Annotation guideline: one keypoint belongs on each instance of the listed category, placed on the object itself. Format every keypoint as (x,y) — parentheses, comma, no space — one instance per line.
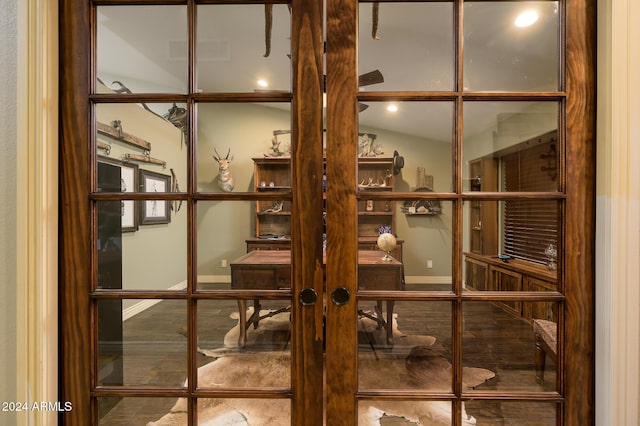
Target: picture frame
(154,212)
(128,183)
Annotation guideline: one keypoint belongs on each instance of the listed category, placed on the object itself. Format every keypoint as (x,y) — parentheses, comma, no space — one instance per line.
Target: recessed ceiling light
(392,108)
(263,83)
(526,18)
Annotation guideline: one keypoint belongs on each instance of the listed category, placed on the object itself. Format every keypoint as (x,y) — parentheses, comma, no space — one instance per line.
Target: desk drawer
(261,278)
(379,279)
(253,279)
(283,277)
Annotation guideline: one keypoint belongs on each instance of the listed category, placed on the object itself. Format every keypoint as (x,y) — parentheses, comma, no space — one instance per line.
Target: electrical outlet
(429,263)
(223,263)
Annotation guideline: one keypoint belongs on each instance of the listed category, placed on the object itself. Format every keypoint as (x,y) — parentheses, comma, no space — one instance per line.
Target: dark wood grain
(579,331)
(75,226)
(342,208)
(306,223)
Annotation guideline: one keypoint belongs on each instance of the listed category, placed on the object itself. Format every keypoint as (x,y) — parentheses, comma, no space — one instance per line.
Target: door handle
(340,296)
(308,297)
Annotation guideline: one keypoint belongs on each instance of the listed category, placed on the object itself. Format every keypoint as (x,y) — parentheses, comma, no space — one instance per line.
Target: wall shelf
(273,175)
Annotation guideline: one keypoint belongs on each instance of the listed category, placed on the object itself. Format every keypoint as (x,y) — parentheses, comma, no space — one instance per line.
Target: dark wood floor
(155,353)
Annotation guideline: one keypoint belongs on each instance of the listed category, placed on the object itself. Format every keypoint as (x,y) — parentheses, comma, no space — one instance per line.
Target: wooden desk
(271,270)
(364,243)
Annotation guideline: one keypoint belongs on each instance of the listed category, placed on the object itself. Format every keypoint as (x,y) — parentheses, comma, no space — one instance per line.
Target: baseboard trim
(214,279)
(142,306)
(427,279)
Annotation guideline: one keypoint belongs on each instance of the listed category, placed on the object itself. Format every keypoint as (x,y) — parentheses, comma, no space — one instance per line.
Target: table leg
(244,322)
(256,313)
(242,310)
(379,317)
(389,322)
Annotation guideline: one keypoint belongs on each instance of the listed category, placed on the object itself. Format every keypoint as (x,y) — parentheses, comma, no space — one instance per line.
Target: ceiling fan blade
(372,77)
(362,107)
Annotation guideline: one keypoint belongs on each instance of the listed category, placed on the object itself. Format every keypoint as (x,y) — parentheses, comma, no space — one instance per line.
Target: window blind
(530,225)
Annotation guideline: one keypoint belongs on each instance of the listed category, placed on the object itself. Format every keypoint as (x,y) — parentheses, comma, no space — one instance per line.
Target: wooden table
(271,270)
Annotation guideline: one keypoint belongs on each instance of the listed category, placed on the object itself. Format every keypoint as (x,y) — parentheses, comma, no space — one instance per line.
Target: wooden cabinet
(273,218)
(506,280)
(268,244)
(539,310)
(488,273)
(374,174)
(477,274)
(483,215)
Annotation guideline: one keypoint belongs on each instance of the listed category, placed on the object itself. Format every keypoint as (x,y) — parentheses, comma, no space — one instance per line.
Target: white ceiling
(145,48)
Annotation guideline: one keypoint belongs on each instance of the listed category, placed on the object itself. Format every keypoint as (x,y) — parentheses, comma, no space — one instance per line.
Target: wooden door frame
(75,234)
(577,329)
(307,361)
(579,234)
(342,210)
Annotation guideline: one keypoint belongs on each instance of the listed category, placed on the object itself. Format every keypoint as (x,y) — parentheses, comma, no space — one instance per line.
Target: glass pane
(413,354)
(499,413)
(236,53)
(511,45)
(405,244)
(508,243)
(405,413)
(405,150)
(219,332)
(144,137)
(496,339)
(249,135)
(420,132)
(226,234)
(265,356)
(142,342)
(116,411)
(154,257)
(218,411)
(420,34)
(511,146)
(142,58)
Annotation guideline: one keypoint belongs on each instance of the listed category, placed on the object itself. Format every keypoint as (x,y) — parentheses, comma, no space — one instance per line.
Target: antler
(216,156)
(228,152)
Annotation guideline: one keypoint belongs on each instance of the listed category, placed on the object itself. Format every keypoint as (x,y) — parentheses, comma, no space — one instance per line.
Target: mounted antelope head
(225,179)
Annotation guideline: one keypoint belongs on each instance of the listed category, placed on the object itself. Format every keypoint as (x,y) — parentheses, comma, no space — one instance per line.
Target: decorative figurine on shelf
(387,177)
(276,207)
(225,179)
(369,206)
(275,150)
(387,242)
(368,147)
(384,229)
(552,255)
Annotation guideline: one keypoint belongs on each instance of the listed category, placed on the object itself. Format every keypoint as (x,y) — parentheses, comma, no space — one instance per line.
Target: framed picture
(154,212)
(119,176)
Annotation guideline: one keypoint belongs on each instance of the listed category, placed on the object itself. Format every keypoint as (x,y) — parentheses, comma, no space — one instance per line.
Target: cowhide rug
(414,362)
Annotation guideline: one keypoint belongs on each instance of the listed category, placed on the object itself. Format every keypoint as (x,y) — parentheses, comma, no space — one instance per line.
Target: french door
(327,213)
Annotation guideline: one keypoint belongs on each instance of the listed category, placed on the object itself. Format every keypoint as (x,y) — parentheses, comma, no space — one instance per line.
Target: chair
(546,338)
